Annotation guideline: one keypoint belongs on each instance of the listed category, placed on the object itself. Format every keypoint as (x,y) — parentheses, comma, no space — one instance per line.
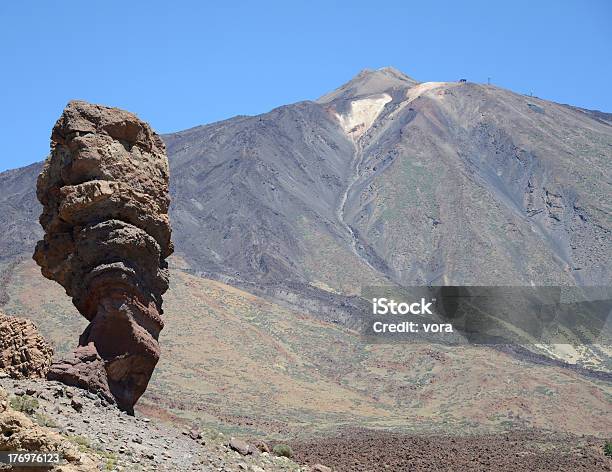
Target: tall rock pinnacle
(104,190)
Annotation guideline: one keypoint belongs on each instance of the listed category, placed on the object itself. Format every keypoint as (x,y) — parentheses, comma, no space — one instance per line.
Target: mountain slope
(249,194)
(520,182)
(19,211)
(384,180)
(238,362)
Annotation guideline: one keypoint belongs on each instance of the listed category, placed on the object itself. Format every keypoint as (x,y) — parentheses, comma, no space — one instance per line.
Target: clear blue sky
(178,63)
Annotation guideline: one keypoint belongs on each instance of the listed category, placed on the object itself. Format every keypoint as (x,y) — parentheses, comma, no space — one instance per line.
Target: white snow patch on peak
(420,89)
(362,114)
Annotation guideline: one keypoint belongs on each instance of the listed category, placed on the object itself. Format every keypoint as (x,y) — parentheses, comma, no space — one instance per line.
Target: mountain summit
(370,82)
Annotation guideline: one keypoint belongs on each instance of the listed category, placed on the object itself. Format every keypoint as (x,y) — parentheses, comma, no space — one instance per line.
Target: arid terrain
(367,451)
(279,220)
(248,367)
(94,435)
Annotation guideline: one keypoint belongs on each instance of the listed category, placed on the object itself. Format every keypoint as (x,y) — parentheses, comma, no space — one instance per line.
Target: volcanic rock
(262,446)
(242,447)
(19,433)
(23,351)
(104,191)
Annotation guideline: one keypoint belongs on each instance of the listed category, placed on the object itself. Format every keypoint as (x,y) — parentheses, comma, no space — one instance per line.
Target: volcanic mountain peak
(362,113)
(370,82)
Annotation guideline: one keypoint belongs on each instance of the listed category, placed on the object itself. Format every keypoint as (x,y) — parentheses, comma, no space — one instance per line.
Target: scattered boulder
(321,468)
(263,446)
(77,405)
(23,351)
(104,191)
(242,447)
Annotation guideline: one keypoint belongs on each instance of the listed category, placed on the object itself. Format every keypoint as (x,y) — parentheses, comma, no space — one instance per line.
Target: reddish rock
(84,368)
(262,446)
(23,351)
(104,192)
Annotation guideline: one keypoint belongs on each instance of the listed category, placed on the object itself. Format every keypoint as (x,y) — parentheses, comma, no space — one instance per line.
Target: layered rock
(23,351)
(104,192)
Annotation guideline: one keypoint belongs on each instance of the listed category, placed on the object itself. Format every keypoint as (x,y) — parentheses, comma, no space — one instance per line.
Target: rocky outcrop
(104,192)
(84,368)
(23,351)
(20,433)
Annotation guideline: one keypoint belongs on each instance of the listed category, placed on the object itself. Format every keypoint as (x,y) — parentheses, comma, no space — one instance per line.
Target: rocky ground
(367,451)
(76,421)
(93,435)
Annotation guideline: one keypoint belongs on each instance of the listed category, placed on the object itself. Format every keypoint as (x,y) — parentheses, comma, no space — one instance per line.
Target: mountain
(279,220)
(384,180)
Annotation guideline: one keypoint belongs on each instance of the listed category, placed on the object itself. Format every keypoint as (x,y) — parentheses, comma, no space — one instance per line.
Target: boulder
(262,446)
(104,191)
(242,447)
(23,351)
(239,446)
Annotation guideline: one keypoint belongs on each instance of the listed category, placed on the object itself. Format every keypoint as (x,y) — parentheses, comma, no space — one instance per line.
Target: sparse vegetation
(45,420)
(109,457)
(282,450)
(608,449)
(110,464)
(82,442)
(25,404)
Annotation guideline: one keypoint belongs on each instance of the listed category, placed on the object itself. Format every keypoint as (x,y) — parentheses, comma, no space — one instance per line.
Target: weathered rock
(321,468)
(263,446)
(20,433)
(242,447)
(83,368)
(77,404)
(23,351)
(104,191)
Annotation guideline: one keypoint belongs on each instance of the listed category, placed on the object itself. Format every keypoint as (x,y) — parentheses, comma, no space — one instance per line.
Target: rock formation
(104,190)
(19,433)
(23,351)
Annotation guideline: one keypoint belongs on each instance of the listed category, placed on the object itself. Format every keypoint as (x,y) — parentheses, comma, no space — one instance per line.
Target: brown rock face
(104,190)
(23,351)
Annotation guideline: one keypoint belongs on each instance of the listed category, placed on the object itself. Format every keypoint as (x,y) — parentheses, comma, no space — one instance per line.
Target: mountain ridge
(259,197)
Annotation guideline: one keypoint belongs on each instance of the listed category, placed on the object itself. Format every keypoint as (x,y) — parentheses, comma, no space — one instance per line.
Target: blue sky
(183,63)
